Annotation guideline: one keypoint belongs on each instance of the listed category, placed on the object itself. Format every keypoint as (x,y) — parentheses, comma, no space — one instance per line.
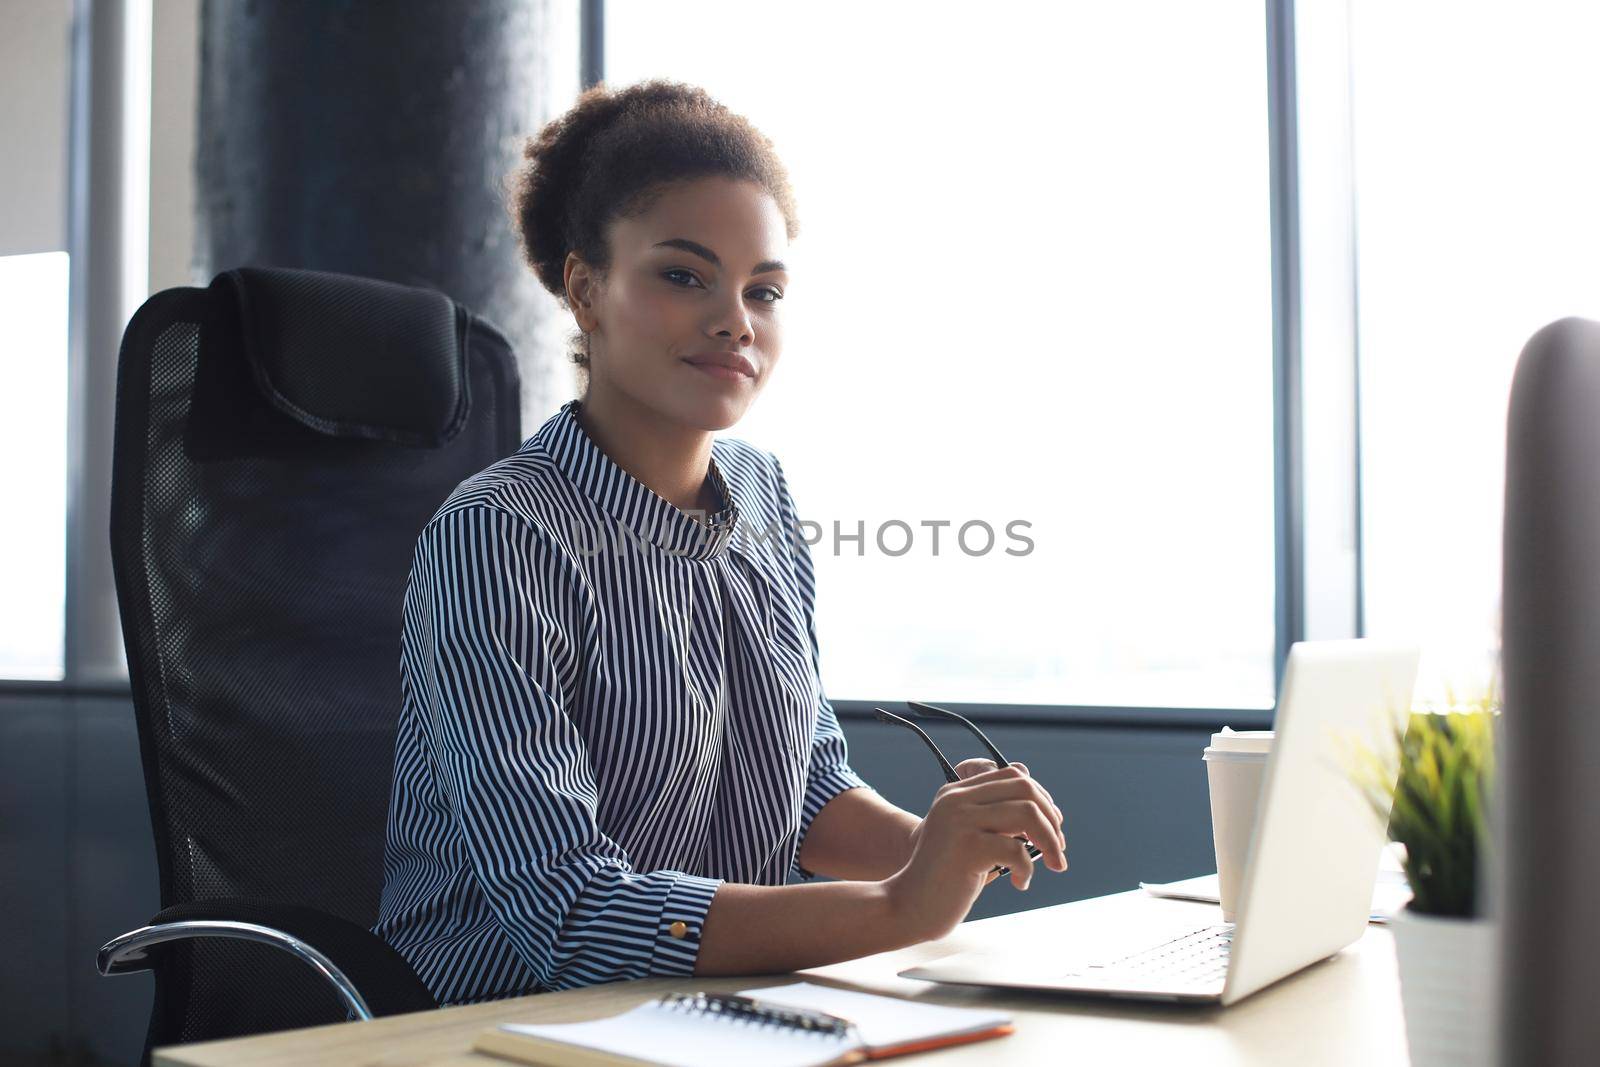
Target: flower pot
(1447,987)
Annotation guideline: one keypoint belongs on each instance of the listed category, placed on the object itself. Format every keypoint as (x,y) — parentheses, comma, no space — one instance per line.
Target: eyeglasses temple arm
(950,774)
(930,709)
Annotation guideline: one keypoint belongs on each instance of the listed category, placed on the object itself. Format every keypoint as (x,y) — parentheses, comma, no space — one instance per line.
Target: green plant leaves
(1438,800)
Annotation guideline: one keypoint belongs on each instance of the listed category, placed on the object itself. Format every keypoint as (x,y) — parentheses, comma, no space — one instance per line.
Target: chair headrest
(353,357)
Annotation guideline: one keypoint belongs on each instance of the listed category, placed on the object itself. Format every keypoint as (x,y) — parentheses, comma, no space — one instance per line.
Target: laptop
(1308,879)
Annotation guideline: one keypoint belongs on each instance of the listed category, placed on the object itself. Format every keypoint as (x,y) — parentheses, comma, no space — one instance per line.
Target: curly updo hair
(611,156)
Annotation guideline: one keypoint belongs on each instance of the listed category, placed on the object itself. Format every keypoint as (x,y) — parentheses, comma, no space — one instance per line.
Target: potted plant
(1438,804)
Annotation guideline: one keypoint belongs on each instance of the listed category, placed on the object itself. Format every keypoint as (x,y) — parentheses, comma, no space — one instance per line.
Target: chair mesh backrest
(261,560)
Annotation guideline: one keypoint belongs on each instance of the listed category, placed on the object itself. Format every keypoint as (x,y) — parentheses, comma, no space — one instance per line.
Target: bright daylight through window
(1032,287)
(33,429)
(1478,223)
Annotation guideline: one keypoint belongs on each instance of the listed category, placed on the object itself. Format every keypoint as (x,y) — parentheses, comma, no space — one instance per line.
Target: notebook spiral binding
(736,1008)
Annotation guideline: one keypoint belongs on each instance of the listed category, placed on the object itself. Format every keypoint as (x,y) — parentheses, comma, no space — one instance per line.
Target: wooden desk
(1345,1010)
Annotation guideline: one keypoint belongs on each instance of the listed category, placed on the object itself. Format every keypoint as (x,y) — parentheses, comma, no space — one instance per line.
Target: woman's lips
(727,374)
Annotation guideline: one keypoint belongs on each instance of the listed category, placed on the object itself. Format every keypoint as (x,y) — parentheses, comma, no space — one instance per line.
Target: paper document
(1389,894)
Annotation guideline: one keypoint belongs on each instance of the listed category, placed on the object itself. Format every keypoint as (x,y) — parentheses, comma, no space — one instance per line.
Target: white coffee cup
(1236,762)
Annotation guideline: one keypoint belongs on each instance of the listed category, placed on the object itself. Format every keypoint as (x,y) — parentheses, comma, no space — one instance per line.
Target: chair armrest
(126,953)
(370,977)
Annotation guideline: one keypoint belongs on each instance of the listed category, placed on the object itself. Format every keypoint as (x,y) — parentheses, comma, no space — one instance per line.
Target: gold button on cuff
(678,929)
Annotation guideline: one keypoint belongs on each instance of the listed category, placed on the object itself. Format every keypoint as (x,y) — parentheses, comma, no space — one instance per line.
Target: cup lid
(1251,741)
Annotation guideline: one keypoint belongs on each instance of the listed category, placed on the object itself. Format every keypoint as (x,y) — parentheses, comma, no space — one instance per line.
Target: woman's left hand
(966,769)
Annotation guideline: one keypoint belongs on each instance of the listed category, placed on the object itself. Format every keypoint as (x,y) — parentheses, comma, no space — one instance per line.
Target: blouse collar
(635,505)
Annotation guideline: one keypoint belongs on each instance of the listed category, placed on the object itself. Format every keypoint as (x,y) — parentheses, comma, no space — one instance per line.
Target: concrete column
(372,138)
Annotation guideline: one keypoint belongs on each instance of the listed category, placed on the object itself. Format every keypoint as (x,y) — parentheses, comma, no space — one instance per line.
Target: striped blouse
(609,708)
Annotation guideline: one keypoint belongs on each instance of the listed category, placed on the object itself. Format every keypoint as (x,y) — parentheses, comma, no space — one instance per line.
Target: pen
(740,1006)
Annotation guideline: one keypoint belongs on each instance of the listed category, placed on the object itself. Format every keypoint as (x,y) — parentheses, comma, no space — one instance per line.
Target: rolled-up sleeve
(828,773)
(489,615)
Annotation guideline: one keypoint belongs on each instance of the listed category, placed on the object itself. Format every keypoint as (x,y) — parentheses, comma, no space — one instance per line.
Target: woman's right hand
(969,829)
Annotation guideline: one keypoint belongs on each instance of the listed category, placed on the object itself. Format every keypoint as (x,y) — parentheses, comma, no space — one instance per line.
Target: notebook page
(883,1021)
(661,1035)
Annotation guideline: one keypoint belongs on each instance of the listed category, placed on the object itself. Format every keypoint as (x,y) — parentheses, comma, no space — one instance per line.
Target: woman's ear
(582,290)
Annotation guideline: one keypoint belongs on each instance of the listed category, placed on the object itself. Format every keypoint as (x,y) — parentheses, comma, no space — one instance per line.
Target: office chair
(281,438)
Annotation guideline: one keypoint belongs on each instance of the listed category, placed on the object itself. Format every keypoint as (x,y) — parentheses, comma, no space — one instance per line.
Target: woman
(614,748)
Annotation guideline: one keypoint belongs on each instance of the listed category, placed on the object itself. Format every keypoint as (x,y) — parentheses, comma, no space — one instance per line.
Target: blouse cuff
(819,791)
(683,916)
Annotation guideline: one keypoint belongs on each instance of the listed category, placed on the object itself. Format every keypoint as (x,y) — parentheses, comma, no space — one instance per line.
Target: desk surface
(1344,1010)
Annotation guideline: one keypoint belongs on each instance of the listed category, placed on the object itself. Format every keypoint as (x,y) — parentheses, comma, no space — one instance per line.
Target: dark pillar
(372,137)
(1547,865)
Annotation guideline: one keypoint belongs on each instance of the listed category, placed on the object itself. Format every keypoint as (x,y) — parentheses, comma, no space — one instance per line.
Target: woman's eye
(676,272)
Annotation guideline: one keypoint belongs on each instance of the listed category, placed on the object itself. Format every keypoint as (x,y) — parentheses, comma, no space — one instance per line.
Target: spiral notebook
(799,1025)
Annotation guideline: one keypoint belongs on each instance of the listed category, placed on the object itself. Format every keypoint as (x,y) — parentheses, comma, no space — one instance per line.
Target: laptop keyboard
(1197,958)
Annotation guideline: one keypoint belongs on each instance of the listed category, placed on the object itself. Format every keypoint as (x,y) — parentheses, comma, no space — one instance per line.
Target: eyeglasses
(950,774)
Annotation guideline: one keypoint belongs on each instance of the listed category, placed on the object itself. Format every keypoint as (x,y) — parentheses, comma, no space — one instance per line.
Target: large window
(33,440)
(1033,284)
(1031,322)
(34,69)
(1479,222)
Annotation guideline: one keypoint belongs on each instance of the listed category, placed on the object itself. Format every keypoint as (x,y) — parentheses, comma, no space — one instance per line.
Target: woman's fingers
(1025,817)
(990,776)
(1001,851)
(968,768)
(999,785)
(971,777)
(1008,786)
(1052,800)
(1023,767)
(1009,852)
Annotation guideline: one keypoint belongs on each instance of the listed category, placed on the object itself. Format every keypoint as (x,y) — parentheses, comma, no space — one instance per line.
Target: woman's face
(695,279)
